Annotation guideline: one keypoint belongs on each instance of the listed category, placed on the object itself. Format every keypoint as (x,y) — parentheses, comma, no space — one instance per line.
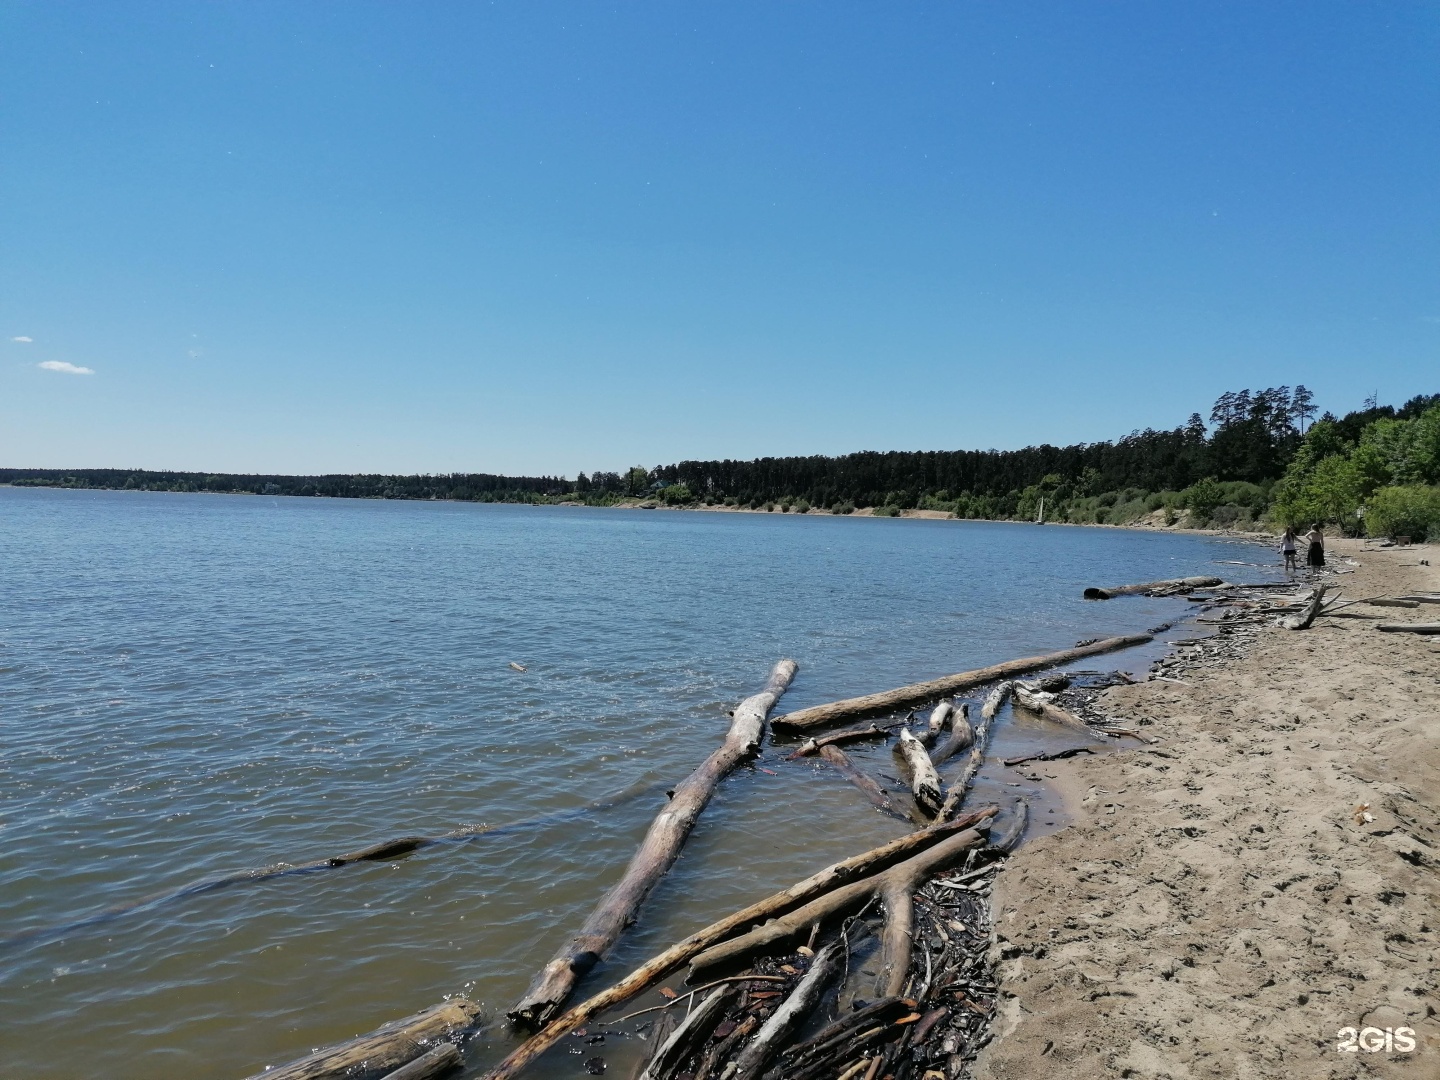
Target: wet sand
(1218,908)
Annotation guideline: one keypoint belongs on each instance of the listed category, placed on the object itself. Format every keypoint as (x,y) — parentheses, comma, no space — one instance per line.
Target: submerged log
(657,853)
(873,791)
(961,736)
(378,852)
(890,700)
(1303,619)
(385,1049)
(776,1031)
(924,780)
(1008,839)
(1171,585)
(1409,628)
(837,902)
(655,969)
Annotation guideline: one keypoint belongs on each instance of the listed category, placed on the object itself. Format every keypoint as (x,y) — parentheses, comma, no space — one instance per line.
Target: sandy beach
(1221,907)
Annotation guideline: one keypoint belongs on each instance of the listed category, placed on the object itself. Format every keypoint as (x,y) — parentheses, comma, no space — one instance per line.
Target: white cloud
(64,368)
(23,339)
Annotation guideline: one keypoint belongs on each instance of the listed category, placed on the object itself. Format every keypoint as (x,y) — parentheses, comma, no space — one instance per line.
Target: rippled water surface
(193,684)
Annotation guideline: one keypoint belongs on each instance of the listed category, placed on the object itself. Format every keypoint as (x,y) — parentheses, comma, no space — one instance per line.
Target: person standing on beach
(1289,545)
(1316,558)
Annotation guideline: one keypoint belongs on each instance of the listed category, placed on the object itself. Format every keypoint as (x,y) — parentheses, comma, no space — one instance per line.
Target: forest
(1262,459)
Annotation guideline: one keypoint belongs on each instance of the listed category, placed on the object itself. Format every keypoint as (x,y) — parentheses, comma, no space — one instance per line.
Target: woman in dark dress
(1316,557)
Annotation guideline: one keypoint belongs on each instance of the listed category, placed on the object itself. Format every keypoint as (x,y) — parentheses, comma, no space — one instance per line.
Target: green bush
(1412,510)
(802,506)
(1203,497)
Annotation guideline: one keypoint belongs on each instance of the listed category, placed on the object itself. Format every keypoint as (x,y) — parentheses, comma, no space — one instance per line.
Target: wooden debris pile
(818,1011)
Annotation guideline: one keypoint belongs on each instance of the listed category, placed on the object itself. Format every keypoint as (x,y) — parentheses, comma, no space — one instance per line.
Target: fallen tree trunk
(658,852)
(1038,703)
(890,700)
(837,902)
(924,780)
(655,969)
(385,1049)
(773,1034)
(1303,619)
(1409,628)
(1391,601)
(1171,585)
(873,791)
(895,944)
(813,746)
(961,736)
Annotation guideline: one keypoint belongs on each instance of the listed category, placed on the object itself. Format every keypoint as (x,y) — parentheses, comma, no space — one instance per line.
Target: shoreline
(1218,905)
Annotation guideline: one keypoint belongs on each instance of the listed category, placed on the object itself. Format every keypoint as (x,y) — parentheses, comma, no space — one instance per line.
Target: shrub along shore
(1263,462)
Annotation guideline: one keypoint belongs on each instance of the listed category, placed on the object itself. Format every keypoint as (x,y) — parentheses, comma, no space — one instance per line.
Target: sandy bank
(1219,909)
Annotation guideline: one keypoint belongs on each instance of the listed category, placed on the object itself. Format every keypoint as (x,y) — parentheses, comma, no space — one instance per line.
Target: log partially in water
(924,780)
(1040,703)
(873,791)
(961,736)
(813,746)
(833,904)
(385,1049)
(1171,585)
(443,1059)
(690,1035)
(935,726)
(890,700)
(658,852)
(655,969)
(956,793)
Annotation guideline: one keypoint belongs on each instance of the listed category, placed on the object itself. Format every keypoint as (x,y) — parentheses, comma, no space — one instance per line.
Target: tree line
(1259,451)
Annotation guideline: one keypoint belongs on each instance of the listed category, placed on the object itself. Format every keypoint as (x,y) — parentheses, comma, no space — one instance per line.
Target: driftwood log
(652,971)
(842,764)
(924,780)
(1409,628)
(842,901)
(773,1034)
(658,852)
(890,700)
(935,725)
(1171,585)
(1008,839)
(690,1035)
(385,1049)
(956,794)
(813,746)
(443,1059)
(1391,601)
(961,736)
(1302,619)
(1036,702)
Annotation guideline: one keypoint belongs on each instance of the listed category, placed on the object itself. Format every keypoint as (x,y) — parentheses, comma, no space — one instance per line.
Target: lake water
(192,684)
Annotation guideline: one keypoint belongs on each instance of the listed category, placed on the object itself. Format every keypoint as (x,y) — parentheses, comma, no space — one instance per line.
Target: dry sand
(1217,909)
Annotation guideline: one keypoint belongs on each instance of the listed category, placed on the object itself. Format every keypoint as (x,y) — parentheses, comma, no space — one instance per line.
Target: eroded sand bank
(1219,909)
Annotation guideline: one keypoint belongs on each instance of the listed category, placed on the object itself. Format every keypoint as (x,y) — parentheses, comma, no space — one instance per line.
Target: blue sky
(541,238)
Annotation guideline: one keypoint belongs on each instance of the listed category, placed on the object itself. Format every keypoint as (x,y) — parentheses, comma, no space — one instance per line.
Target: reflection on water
(194,684)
